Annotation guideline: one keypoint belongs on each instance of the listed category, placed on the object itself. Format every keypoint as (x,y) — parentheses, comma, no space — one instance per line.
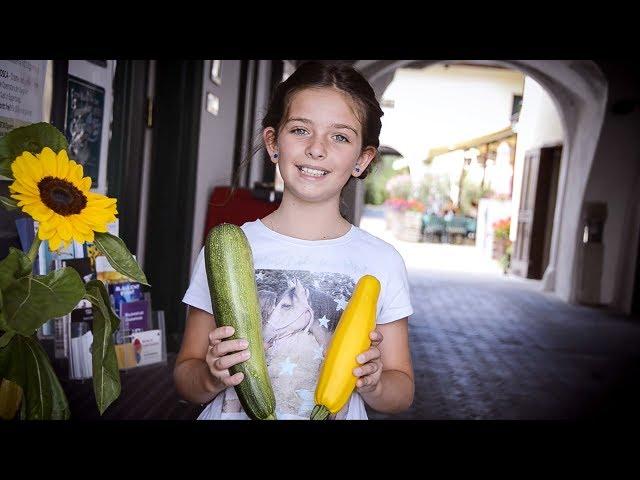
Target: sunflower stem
(35,246)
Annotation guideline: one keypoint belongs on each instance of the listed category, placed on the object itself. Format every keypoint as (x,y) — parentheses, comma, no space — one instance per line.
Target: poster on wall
(83,129)
(21,93)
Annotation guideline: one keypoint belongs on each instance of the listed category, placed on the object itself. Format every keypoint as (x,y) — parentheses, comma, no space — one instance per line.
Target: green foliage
(8,203)
(400,186)
(119,256)
(376,181)
(106,377)
(434,189)
(32,138)
(27,301)
(33,299)
(24,362)
(471,194)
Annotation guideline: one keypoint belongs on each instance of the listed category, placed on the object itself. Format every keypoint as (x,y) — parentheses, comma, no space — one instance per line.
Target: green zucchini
(234,298)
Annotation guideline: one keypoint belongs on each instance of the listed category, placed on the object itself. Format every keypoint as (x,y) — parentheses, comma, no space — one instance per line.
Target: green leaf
(32,300)
(119,256)
(95,287)
(31,138)
(13,266)
(3,322)
(23,361)
(9,203)
(6,338)
(106,376)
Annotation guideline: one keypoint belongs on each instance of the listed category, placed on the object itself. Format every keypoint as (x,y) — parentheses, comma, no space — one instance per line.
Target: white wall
(439,105)
(614,179)
(539,125)
(216,144)
(489,211)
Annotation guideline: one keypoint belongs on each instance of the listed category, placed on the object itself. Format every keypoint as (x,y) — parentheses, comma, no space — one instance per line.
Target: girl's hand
(370,368)
(221,355)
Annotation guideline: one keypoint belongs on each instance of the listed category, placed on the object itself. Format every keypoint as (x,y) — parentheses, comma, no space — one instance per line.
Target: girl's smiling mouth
(308,172)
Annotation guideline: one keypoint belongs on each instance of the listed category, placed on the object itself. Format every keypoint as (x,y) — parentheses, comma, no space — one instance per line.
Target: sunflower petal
(79,224)
(20,187)
(19,166)
(96,212)
(42,213)
(49,164)
(46,234)
(106,204)
(28,209)
(25,200)
(72,174)
(101,228)
(25,175)
(53,222)
(34,168)
(23,185)
(62,161)
(54,242)
(79,174)
(85,184)
(64,229)
(76,234)
(62,155)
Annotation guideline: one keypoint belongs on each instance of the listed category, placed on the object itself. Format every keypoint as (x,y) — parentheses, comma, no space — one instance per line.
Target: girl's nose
(316,150)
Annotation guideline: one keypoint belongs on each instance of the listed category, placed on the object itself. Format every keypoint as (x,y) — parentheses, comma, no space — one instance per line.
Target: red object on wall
(240,208)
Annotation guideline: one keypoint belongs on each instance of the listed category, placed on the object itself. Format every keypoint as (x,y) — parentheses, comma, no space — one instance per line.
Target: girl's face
(321,132)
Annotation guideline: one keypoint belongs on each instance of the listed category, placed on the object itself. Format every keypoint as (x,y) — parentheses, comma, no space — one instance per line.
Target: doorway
(536,211)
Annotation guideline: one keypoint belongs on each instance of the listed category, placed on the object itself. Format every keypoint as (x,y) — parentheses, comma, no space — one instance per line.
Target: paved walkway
(490,346)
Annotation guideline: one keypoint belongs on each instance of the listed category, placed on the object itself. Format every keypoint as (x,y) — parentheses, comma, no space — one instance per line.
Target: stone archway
(579,91)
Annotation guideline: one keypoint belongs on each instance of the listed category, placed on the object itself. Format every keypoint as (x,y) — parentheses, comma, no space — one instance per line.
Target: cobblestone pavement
(488,346)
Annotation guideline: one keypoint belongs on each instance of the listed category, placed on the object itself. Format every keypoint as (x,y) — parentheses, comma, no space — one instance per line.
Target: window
(516,107)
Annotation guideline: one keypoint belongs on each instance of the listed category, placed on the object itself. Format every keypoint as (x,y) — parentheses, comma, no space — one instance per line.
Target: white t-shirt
(303,288)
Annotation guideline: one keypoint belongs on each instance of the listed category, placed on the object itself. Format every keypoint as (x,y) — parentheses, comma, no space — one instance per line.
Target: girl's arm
(395,388)
(191,373)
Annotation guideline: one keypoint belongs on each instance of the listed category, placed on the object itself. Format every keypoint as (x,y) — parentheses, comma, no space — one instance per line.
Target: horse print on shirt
(300,311)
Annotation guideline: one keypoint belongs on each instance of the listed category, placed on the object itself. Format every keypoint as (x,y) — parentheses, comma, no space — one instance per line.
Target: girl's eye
(296,130)
(342,138)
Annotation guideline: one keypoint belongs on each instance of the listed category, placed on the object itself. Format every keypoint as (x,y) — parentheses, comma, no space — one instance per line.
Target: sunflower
(52,190)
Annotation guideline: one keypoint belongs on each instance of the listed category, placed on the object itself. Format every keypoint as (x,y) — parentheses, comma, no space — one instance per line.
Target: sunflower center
(61,196)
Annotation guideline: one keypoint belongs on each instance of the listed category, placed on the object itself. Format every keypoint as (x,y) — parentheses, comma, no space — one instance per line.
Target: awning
(474,142)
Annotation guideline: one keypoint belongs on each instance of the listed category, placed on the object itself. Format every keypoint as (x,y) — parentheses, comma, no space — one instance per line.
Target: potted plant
(399,189)
(51,188)
(501,237)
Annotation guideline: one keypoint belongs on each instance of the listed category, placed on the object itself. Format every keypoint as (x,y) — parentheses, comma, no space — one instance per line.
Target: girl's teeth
(313,172)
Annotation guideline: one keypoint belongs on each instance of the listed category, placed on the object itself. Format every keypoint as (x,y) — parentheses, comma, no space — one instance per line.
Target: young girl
(322,129)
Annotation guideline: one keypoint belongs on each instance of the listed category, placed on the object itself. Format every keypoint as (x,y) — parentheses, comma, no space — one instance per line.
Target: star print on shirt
(317,352)
(324,321)
(287,367)
(342,303)
(308,401)
(259,276)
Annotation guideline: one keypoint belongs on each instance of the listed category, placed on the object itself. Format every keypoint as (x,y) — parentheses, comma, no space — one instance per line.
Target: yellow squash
(10,398)
(351,338)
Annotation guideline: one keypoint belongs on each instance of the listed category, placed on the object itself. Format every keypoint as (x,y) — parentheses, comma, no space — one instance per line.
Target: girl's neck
(317,221)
